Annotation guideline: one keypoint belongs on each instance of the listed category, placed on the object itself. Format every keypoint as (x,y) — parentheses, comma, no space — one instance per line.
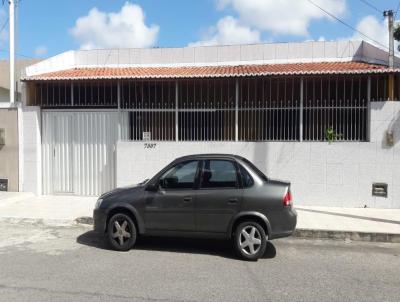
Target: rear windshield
(255,169)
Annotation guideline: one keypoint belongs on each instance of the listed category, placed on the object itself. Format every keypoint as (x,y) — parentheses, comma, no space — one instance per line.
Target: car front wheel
(121,232)
(250,240)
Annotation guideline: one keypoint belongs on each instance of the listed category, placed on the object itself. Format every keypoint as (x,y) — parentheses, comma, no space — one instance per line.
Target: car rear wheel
(121,232)
(250,240)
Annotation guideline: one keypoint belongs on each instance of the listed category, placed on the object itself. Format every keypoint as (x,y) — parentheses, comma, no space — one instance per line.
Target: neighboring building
(20,66)
(9,126)
(323,115)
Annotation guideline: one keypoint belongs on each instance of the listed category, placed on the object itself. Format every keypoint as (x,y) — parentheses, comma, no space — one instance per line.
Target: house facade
(324,115)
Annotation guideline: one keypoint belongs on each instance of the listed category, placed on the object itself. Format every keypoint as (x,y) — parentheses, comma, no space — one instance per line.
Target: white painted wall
(30,150)
(271,53)
(337,174)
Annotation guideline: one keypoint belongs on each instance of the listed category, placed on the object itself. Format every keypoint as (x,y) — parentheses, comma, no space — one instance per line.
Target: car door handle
(232,201)
(187,199)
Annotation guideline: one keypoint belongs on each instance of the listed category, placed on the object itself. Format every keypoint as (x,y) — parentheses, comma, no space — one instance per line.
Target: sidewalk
(313,222)
(56,210)
(358,224)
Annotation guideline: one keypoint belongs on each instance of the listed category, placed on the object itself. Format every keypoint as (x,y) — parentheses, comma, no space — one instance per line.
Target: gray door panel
(215,208)
(170,210)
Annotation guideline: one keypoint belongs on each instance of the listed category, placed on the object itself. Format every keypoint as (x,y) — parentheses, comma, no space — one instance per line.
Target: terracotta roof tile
(94,73)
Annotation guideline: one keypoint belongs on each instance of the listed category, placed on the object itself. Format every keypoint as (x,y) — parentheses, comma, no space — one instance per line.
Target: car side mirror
(152,187)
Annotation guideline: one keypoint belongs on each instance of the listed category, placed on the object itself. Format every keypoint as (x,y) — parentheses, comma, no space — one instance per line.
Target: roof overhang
(292,69)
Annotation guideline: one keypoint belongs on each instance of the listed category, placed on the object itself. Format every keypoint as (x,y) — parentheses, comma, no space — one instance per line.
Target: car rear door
(171,207)
(218,197)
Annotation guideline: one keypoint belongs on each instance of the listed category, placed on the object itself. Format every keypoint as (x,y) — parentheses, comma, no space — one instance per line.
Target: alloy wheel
(250,240)
(121,231)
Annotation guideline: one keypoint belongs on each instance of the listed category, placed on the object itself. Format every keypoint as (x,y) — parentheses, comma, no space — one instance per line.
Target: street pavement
(51,263)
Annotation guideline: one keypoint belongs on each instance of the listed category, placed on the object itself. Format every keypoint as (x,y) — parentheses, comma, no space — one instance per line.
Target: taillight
(287,199)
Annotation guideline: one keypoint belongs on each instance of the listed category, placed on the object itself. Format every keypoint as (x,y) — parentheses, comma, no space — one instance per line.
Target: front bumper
(99,220)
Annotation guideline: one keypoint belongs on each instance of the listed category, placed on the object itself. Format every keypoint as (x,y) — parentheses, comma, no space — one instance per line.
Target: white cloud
(227,32)
(41,50)
(276,17)
(126,28)
(282,16)
(371,27)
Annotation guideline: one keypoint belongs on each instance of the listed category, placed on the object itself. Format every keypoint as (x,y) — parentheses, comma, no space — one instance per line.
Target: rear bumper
(99,221)
(284,225)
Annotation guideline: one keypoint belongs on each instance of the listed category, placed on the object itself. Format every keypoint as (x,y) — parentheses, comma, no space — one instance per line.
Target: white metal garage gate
(78,150)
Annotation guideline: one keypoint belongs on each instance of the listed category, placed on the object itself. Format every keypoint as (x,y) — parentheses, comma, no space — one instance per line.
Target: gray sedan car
(206,195)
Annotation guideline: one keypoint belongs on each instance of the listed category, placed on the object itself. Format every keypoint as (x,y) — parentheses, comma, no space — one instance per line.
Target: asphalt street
(52,263)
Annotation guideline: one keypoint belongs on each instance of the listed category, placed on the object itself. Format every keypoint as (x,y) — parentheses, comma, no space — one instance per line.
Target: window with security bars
(269,109)
(206,110)
(335,105)
(152,109)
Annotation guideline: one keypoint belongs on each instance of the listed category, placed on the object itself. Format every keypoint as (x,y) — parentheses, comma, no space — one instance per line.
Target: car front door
(171,207)
(219,196)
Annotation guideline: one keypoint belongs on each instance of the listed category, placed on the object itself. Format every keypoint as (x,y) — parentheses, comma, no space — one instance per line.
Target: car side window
(247,180)
(219,174)
(181,176)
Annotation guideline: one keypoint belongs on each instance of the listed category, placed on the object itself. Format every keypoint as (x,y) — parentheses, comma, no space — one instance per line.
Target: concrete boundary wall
(30,150)
(270,53)
(338,174)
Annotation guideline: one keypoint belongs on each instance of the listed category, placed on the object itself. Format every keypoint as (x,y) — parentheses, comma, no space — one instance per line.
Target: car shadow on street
(222,248)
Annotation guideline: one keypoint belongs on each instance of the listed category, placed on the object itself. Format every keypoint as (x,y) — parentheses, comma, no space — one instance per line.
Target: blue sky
(49,27)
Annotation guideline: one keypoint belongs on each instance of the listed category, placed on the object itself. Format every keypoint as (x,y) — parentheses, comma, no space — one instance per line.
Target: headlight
(98,203)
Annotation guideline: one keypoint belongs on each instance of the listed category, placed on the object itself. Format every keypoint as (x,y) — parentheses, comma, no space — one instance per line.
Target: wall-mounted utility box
(3,184)
(2,136)
(380,189)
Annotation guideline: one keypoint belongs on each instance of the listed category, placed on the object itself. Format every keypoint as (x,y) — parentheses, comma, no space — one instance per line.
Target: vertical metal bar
(336,103)
(163,127)
(368,122)
(360,104)
(351,105)
(237,110)
(72,93)
(270,116)
(214,114)
(119,108)
(292,119)
(176,111)
(301,107)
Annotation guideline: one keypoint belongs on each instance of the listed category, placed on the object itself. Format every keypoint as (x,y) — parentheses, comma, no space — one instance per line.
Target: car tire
(250,240)
(121,232)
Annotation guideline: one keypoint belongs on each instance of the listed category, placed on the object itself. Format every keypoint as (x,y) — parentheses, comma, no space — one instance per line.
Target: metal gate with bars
(78,150)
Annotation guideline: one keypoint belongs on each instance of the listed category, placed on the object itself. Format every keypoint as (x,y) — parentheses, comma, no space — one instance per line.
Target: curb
(38,221)
(346,235)
(317,234)
(298,233)
(85,220)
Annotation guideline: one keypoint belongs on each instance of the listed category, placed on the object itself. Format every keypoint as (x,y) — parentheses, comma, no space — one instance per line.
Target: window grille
(152,106)
(338,105)
(228,109)
(269,109)
(206,110)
